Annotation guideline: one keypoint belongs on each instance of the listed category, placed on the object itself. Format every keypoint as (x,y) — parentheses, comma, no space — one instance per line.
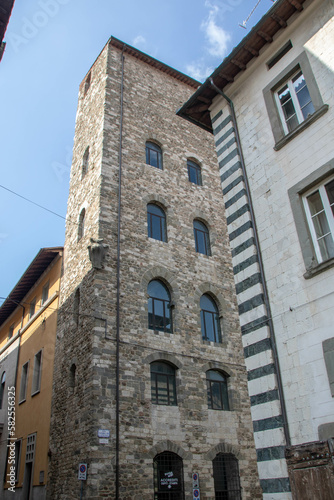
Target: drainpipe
(263,279)
(118,277)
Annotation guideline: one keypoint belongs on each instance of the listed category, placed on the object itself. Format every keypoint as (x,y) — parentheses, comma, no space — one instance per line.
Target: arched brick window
(216,384)
(163,384)
(85,162)
(194,172)
(156,222)
(81,227)
(202,239)
(168,476)
(210,322)
(153,155)
(159,307)
(226,477)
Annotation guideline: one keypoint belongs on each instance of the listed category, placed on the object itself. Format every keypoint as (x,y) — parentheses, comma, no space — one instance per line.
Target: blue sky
(51,45)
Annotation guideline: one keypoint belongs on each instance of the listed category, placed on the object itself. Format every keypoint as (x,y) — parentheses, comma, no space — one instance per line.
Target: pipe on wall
(118,278)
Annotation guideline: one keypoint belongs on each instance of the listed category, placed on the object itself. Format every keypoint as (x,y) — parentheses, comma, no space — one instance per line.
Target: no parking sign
(196,493)
(82,476)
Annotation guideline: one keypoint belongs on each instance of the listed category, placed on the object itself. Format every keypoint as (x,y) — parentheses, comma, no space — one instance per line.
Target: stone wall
(190,429)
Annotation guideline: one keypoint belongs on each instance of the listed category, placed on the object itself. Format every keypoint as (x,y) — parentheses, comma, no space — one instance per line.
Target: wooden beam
(239,64)
(228,78)
(199,108)
(252,51)
(279,20)
(204,99)
(296,4)
(265,36)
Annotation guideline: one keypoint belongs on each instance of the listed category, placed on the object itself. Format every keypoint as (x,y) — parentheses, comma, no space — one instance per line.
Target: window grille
(168,477)
(163,384)
(31,443)
(226,477)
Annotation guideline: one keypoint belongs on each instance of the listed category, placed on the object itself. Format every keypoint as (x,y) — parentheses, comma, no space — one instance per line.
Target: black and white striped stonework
(262,381)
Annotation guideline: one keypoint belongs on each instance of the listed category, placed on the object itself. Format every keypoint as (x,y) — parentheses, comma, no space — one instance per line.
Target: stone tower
(150,385)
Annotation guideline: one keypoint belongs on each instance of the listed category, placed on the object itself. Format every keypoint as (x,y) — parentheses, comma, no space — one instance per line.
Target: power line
(38,205)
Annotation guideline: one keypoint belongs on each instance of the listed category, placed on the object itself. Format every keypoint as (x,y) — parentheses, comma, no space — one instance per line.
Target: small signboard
(104,441)
(168,481)
(103,433)
(196,494)
(82,476)
(195,480)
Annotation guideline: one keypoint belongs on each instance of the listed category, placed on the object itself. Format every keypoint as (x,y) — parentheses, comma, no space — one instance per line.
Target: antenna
(243,24)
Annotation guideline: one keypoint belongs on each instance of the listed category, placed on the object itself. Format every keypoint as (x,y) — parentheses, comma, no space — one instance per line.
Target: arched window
(163,384)
(81,227)
(216,384)
(194,172)
(85,161)
(87,83)
(73,369)
(210,323)
(202,240)
(76,306)
(159,311)
(168,477)
(156,222)
(2,388)
(226,476)
(153,155)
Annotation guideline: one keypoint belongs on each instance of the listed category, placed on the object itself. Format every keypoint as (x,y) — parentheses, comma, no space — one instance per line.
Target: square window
(194,173)
(319,208)
(312,204)
(293,101)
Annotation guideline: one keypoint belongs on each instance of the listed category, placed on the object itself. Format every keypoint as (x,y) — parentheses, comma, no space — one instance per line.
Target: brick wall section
(189,429)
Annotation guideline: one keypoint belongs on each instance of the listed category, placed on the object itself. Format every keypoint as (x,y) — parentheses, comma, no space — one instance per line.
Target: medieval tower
(150,385)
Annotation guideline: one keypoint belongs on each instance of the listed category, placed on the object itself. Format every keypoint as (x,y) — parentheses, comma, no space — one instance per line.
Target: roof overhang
(5,12)
(40,263)
(196,109)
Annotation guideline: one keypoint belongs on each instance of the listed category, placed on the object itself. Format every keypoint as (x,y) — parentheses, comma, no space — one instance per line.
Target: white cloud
(199,71)
(139,40)
(217,37)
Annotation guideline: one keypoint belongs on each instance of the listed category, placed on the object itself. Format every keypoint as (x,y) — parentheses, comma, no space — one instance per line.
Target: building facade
(270,107)
(150,386)
(28,324)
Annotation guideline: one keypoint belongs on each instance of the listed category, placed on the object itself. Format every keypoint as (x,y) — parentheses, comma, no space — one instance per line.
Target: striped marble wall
(262,380)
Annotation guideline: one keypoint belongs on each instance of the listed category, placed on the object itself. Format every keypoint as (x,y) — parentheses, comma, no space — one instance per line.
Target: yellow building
(28,324)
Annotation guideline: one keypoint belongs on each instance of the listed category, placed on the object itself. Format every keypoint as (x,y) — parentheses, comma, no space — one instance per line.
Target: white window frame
(295,101)
(23,388)
(37,373)
(328,212)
